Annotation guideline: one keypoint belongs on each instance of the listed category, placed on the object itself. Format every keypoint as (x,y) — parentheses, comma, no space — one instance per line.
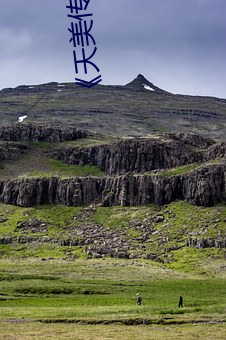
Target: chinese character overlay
(81,37)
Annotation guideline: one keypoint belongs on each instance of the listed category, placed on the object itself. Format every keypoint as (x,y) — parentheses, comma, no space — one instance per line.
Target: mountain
(124,171)
(140,83)
(138,108)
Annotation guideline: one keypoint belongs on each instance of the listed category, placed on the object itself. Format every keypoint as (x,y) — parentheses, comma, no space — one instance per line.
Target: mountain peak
(141,77)
(140,83)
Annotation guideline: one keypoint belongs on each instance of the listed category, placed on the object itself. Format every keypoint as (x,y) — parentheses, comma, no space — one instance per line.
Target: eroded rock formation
(218,242)
(132,167)
(205,186)
(131,155)
(11,151)
(37,132)
(215,151)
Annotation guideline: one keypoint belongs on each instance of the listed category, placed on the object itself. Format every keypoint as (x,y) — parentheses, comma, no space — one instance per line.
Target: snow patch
(59,90)
(21,118)
(148,87)
(31,87)
(61,85)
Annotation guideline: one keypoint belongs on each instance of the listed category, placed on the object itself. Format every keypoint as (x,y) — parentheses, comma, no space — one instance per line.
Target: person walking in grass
(139,299)
(180,301)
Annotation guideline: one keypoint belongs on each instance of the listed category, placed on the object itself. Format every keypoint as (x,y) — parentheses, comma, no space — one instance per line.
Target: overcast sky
(179,45)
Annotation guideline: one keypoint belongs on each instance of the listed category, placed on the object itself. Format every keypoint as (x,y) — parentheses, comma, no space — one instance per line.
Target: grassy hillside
(179,221)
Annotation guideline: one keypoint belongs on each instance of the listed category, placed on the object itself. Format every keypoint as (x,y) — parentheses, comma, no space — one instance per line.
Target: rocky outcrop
(191,139)
(11,151)
(6,240)
(36,133)
(29,192)
(125,163)
(201,243)
(205,186)
(38,240)
(215,151)
(128,156)
(33,225)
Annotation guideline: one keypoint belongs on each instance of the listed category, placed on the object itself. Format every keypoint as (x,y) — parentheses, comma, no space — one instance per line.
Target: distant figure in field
(139,299)
(180,301)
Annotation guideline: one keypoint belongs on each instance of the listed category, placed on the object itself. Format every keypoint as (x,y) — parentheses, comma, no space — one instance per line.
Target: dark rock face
(4,153)
(215,151)
(29,192)
(9,151)
(125,162)
(35,133)
(205,186)
(131,156)
(201,243)
(192,139)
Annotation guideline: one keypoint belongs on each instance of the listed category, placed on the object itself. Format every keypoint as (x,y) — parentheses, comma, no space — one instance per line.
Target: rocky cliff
(215,151)
(205,186)
(11,151)
(134,169)
(132,155)
(37,132)
(191,139)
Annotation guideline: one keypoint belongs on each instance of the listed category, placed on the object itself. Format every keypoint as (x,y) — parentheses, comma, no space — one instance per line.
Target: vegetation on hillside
(179,221)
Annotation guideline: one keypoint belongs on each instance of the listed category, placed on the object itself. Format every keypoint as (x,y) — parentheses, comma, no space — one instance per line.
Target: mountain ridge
(138,108)
(135,84)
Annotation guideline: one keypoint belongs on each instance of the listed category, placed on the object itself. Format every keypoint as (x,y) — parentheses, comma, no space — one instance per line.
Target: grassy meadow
(105,289)
(52,291)
(96,299)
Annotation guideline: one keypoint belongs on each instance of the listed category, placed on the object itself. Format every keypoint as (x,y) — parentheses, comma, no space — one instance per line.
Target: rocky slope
(154,234)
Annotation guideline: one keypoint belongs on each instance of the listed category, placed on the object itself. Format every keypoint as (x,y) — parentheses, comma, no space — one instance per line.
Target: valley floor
(96,299)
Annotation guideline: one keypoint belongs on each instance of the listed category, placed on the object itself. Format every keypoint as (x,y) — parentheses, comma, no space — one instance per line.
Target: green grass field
(52,291)
(96,299)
